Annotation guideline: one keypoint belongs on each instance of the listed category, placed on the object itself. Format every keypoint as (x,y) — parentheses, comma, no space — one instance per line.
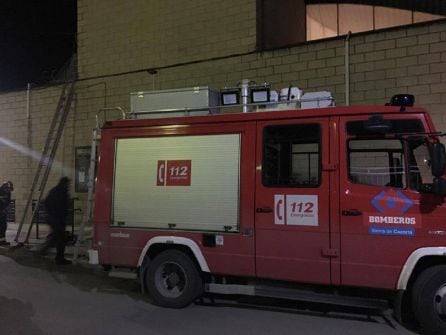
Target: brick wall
(211,43)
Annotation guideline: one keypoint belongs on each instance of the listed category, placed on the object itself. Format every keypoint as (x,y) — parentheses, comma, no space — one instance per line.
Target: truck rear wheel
(429,300)
(173,280)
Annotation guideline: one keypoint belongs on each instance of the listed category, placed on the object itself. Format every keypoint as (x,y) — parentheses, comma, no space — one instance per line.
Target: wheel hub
(440,302)
(170,280)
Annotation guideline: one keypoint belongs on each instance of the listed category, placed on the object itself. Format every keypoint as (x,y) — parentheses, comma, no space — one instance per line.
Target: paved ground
(39,298)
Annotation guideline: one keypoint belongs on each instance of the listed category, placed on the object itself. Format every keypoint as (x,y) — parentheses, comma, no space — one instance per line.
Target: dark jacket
(5,199)
(57,202)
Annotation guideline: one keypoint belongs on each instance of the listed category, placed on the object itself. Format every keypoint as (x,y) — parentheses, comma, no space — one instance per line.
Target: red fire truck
(295,204)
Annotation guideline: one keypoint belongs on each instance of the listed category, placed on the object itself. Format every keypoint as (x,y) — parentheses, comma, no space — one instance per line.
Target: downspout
(347,69)
(28,121)
(28,96)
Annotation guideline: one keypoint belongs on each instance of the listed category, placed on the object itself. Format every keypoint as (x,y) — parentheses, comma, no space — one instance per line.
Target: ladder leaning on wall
(87,217)
(46,160)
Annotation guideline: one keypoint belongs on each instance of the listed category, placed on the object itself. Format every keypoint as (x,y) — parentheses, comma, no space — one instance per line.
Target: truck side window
(291,155)
(419,164)
(377,162)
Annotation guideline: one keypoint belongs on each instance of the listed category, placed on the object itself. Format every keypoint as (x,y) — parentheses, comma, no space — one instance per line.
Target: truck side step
(122,273)
(298,295)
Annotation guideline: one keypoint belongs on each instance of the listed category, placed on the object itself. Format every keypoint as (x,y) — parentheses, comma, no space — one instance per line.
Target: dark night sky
(37,37)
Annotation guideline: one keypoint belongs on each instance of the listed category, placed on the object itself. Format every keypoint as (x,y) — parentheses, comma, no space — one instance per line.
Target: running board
(299,295)
(124,274)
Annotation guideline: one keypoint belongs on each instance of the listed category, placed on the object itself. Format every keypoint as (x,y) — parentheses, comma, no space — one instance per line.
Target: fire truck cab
(339,199)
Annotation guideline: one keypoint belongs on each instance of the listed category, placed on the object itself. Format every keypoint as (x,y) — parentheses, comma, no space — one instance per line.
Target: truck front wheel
(429,300)
(173,280)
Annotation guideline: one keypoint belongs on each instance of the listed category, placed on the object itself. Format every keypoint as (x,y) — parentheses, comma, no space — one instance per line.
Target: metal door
(383,215)
(292,201)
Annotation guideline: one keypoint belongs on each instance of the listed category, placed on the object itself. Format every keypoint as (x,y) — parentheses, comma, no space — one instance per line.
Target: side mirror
(438,159)
(439,186)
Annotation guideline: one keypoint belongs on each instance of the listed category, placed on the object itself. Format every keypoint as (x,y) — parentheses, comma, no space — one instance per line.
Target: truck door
(380,212)
(292,201)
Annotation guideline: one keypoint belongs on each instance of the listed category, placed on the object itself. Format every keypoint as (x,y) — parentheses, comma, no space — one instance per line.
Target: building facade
(141,45)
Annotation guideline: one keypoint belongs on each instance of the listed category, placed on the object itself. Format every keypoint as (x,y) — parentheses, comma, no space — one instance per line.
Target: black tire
(173,280)
(429,300)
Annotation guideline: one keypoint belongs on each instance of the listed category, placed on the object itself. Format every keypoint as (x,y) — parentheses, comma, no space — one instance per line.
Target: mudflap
(142,271)
(398,306)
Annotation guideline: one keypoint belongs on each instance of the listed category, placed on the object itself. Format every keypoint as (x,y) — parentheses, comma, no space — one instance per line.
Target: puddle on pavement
(19,316)
(82,276)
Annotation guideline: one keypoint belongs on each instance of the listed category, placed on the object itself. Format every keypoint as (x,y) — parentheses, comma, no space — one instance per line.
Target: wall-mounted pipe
(29,125)
(28,100)
(347,69)
(153,72)
(104,113)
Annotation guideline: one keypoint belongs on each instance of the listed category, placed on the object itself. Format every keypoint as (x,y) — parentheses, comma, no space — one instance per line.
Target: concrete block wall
(402,60)
(398,60)
(119,36)
(23,133)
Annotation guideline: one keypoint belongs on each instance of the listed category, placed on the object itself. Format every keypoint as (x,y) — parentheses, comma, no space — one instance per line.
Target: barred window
(291,155)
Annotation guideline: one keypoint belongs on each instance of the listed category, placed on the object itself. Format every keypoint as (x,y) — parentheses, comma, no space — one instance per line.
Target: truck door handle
(351,212)
(264,210)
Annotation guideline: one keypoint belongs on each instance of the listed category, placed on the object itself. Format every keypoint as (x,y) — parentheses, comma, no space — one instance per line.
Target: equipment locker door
(292,201)
(211,205)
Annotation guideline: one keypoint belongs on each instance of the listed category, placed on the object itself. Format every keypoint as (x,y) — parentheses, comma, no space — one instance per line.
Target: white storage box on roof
(200,100)
(317,100)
